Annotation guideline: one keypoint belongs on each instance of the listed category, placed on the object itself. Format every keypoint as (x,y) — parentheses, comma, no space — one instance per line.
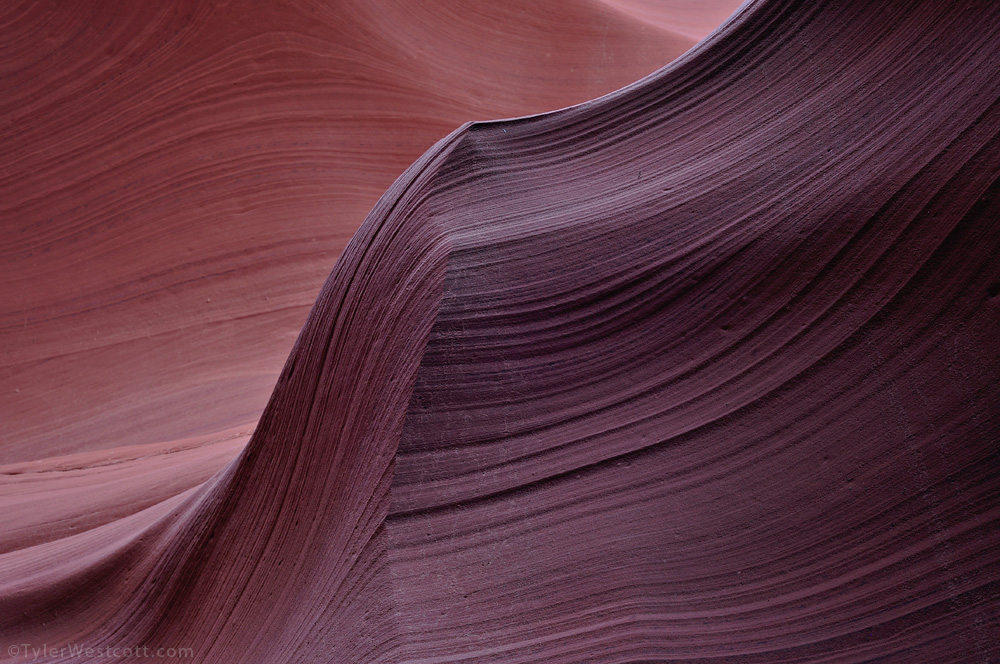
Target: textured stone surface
(704,369)
(180,176)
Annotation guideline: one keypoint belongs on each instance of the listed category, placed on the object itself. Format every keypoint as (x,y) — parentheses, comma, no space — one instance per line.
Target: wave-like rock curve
(701,370)
(181,177)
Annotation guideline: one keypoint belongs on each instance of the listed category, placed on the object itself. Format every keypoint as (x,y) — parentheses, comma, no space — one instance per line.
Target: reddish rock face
(180,179)
(704,369)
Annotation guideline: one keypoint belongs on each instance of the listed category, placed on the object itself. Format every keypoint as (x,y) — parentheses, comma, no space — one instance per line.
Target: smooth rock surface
(179,177)
(702,370)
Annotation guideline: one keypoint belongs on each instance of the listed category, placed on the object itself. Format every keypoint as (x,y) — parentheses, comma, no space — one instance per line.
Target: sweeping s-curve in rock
(289,538)
(712,375)
(703,370)
(181,176)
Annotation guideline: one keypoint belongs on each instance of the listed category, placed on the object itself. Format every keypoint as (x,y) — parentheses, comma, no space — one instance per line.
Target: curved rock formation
(701,370)
(181,176)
